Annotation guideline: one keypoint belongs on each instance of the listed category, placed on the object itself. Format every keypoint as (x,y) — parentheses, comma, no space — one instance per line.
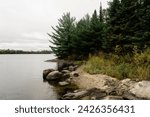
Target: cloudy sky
(24,24)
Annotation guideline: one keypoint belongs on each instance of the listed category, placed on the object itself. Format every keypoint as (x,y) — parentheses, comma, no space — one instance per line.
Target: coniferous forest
(115,40)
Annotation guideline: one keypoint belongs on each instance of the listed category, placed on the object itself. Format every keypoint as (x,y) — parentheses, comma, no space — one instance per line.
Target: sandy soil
(87,81)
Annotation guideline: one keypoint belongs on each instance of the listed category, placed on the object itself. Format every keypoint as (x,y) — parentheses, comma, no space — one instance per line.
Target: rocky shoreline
(72,83)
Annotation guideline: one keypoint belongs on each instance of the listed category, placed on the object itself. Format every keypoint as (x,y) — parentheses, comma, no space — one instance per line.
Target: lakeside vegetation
(115,41)
(8,51)
(136,67)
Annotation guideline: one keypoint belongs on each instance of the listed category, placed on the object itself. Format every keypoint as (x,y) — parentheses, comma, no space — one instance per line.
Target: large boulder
(54,75)
(141,90)
(46,72)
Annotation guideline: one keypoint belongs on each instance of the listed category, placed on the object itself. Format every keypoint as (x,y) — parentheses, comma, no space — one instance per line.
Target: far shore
(8,51)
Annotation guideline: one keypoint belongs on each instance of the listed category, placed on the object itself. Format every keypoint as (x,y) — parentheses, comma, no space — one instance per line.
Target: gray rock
(46,72)
(63,64)
(129,96)
(75,67)
(141,90)
(93,98)
(64,83)
(97,93)
(65,68)
(65,71)
(54,75)
(76,95)
(71,68)
(112,97)
(68,80)
(65,76)
(124,86)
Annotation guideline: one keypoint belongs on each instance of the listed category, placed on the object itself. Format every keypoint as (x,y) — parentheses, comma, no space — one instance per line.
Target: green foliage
(101,17)
(128,24)
(77,40)
(142,57)
(62,36)
(118,29)
(136,66)
(94,65)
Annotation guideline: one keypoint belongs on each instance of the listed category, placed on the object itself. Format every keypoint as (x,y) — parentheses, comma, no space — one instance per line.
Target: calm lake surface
(21,77)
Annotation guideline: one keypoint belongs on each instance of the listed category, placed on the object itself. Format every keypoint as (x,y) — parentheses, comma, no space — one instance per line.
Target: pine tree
(62,36)
(101,18)
(145,23)
(97,32)
(114,30)
(81,42)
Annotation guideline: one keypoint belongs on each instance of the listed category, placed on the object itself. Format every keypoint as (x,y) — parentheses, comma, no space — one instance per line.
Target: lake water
(21,77)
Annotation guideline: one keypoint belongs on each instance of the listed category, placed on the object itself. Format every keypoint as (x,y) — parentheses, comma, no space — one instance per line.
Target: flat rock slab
(141,89)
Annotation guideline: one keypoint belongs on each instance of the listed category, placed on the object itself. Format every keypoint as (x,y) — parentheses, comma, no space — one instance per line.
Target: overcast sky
(24,24)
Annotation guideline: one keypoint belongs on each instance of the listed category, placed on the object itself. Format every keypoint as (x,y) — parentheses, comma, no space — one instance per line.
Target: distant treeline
(8,51)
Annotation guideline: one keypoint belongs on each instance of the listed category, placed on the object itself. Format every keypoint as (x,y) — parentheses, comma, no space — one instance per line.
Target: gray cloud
(24,23)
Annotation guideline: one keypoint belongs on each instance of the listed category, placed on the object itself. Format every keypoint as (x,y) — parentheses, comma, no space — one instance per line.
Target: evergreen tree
(124,24)
(145,22)
(81,42)
(97,32)
(113,21)
(101,18)
(62,36)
